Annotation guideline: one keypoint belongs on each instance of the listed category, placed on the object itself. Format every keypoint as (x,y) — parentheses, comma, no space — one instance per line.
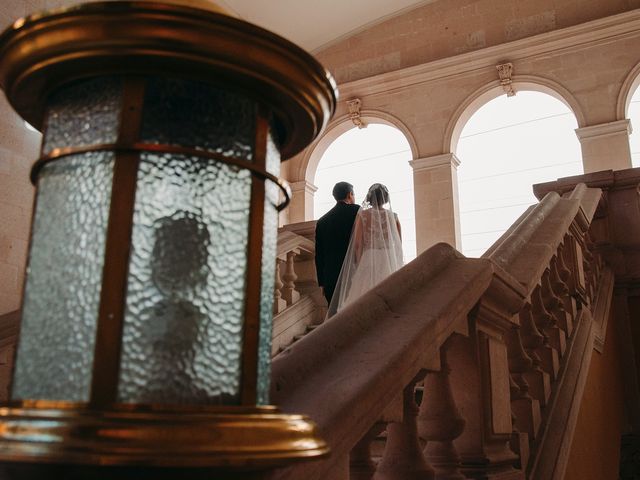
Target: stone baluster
(361,466)
(279,303)
(289,292)
(480,372)
(439,423)
(596,259)
(563,270)
(552,304)
(526,409)
(589,275)
(548,355)
(568,311)
(574,259)
(403,458)
(519,444)
(590,268)
(567,277)
(537,379)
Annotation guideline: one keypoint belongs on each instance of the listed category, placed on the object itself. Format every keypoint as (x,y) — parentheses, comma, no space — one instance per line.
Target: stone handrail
(485,337)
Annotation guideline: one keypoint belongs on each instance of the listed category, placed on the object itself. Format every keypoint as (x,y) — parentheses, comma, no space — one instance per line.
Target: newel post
(480,377)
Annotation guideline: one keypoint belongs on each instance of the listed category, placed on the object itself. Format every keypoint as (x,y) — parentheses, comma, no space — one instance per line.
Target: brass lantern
(146,322)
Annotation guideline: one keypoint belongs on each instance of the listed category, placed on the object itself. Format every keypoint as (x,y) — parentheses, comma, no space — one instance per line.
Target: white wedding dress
(374,253)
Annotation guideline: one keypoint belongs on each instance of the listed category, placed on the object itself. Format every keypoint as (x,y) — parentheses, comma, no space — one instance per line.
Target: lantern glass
(185,296)
(60,310)
(269,251)
(182,337)
(62,290)
(198,115)
(85,113)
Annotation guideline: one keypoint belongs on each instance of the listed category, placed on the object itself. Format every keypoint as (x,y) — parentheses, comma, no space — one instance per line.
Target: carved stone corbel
(354,112)
(505,70)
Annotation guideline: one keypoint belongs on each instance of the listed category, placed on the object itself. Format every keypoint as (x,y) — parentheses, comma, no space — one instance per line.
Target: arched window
(376,154)
(508,145)
(634,140)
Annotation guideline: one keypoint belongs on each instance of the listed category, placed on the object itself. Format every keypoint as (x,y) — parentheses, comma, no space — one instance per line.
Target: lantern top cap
(196,39)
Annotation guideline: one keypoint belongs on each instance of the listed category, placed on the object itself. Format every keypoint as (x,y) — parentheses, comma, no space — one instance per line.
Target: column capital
(303,185)
(428,163)
(604,129)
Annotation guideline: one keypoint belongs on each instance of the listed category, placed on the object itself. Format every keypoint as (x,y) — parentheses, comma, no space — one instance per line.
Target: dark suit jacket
(333,231)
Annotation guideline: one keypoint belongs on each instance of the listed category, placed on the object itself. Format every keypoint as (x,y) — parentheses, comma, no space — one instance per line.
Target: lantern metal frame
(173,38)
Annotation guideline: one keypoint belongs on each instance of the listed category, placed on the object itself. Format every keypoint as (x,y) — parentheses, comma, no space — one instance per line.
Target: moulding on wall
(604,129)
(303,185)
(578,37)
(428,163)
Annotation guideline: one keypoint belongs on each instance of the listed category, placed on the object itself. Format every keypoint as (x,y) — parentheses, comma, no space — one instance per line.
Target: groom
(333,231)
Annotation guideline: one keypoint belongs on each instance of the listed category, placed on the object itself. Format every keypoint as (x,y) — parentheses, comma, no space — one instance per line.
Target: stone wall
(444,29)
(593,67)
(595,451)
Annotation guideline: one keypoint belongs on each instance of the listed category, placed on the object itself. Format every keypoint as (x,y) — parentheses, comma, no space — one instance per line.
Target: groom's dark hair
(341,190)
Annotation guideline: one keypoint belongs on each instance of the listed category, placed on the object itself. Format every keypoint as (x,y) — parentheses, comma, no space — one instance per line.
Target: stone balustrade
(470,367)
(298,302)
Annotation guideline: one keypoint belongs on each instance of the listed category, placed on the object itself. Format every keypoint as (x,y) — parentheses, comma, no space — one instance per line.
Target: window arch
(377,153)
(506,146)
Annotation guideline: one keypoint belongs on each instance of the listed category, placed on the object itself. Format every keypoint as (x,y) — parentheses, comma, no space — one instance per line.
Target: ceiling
(313,24)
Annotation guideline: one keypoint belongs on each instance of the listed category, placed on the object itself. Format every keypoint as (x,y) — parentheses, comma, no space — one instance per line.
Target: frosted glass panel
(195,114)
(269,247)
(57,337)
(185,299)
(82,114)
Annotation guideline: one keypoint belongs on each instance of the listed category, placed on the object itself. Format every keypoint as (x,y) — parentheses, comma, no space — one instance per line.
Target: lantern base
(249,438)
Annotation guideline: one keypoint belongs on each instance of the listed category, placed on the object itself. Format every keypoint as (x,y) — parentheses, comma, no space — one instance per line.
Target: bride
(375,249)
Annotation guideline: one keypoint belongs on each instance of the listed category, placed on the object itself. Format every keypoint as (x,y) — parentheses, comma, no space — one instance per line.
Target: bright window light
(508,145)
(378,153)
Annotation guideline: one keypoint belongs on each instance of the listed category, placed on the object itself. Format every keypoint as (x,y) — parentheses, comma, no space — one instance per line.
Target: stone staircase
(460,368)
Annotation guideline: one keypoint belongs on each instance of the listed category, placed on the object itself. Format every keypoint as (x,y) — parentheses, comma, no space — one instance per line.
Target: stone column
(605,146)
(301,207)
(435,181)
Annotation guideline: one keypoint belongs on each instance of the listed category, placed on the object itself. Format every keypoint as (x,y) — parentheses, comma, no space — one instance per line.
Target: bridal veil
(374,252)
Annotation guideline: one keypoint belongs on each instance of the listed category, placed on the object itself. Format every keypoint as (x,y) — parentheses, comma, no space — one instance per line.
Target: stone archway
(493,90)
(302,176)
(505,147)
(379,153)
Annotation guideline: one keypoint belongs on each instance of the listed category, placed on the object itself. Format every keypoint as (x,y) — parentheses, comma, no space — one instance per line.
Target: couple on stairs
(356,247)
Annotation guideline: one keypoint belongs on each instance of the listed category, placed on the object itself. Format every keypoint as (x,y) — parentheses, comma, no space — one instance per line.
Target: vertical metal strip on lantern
(147,342)
(254,277)
(112,301)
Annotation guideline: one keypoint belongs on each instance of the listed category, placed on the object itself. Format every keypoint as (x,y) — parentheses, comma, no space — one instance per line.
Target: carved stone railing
(298,302)
(498,346)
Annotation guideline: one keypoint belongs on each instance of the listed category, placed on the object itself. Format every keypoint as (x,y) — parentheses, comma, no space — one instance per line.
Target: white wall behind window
(508,145)
(376,154)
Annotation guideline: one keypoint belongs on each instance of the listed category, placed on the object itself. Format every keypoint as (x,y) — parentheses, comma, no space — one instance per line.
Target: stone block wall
(439,30)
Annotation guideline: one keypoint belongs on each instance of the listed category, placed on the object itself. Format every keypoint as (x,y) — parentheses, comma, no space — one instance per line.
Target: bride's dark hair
(378,195)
